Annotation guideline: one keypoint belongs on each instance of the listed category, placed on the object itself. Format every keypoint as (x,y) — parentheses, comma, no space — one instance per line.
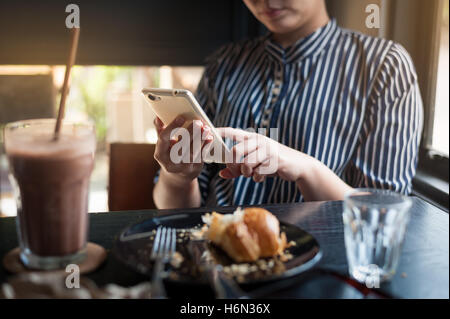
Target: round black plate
(133,247)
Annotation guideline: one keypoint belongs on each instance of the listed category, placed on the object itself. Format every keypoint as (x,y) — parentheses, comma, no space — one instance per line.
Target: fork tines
(164,244)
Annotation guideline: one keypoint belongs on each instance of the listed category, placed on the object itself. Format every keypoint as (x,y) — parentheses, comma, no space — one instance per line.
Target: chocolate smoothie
(52,184)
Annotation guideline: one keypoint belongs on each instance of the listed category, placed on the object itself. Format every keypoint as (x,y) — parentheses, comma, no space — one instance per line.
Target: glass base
(33,261)
(370,275)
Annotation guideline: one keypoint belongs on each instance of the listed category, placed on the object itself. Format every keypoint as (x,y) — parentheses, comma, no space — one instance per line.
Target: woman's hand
(258,156)
(189,168)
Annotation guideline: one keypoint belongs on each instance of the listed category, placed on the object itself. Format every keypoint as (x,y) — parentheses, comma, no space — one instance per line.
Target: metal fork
(162,251)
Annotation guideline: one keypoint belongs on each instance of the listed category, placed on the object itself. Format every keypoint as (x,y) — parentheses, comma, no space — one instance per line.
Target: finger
(204,123)
(226,174)
(234,169)
(246,170)
(233,134)
(158,122)
(207,137)
(206,131)
(159,125)
(172,142)
(161,154)
(251,161)
(266,169)
(164,143)
(208,140)
(255,158)
(167,131)
(207,147)
(243,148)
(258,178)
(195,131)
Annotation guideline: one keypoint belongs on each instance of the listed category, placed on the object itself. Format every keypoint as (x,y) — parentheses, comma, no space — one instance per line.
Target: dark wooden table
(423,271)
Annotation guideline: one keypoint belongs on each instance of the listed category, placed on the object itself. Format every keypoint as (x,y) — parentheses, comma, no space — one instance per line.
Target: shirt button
(276,91)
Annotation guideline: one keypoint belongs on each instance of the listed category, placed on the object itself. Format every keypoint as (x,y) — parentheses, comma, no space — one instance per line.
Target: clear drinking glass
(50,178)
(374,228)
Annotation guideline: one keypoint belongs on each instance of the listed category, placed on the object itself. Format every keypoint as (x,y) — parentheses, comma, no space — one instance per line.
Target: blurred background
(127,46)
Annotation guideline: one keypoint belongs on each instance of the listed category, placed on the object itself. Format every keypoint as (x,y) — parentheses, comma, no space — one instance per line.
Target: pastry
(246,235)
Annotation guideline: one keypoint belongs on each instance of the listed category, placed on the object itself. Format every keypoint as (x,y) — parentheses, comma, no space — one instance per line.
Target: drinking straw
(65,88)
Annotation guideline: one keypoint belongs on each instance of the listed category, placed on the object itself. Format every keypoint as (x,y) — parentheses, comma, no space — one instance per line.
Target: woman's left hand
(258,156)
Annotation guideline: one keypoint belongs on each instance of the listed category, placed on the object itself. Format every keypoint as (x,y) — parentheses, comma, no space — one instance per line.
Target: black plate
(133,247)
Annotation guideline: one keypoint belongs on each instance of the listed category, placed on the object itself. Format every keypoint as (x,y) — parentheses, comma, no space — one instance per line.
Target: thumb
(226,173)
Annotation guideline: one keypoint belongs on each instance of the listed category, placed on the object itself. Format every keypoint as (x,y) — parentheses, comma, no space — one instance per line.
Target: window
(110,97)
(116,33)
(431,37)
(440,140)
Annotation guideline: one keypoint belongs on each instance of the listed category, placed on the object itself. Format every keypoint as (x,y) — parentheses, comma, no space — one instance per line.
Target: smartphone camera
(153,97)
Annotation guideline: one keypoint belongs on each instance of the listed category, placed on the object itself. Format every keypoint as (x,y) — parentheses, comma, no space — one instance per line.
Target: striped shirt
(349,100)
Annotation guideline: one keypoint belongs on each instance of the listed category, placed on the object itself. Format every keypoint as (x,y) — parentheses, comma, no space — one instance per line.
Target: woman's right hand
(182,172)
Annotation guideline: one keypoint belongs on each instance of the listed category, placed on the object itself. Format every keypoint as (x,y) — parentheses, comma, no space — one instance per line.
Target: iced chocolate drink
(51,182)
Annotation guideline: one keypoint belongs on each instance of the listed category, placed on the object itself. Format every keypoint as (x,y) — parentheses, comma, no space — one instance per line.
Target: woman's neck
(287,39)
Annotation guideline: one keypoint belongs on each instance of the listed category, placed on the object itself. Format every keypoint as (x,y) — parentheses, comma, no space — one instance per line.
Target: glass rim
(406,200)
(22,123)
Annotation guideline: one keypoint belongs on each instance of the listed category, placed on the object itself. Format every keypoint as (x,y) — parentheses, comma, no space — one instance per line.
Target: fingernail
(224,174)
(180,120)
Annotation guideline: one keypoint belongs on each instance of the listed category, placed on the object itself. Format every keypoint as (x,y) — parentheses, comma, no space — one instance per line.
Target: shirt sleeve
(387,152)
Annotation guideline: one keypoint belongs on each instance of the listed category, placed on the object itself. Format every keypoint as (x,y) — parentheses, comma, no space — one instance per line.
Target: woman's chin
(281,29)
(282,26)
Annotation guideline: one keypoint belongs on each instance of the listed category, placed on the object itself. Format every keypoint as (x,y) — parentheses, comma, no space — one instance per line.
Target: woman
(346,106)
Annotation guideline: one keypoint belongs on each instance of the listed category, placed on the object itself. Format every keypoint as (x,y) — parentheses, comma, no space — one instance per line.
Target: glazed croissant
(246,235)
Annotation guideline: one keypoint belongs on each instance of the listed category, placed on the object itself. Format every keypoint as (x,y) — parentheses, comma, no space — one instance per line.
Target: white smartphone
(168,104)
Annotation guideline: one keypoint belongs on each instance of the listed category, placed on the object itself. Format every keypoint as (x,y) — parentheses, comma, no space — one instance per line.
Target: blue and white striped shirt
(347,99)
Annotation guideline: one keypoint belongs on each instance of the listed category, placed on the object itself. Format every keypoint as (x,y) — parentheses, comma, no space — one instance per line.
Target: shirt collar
(310,45)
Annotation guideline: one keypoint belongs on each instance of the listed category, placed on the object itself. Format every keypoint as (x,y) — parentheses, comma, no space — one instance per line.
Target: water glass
(375,223)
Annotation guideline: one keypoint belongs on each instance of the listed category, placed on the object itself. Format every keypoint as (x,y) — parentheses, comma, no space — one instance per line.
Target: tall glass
(51,185)
(374,227)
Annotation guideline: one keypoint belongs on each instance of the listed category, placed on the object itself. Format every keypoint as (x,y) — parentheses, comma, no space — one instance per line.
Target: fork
(223,286)
(162,251)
